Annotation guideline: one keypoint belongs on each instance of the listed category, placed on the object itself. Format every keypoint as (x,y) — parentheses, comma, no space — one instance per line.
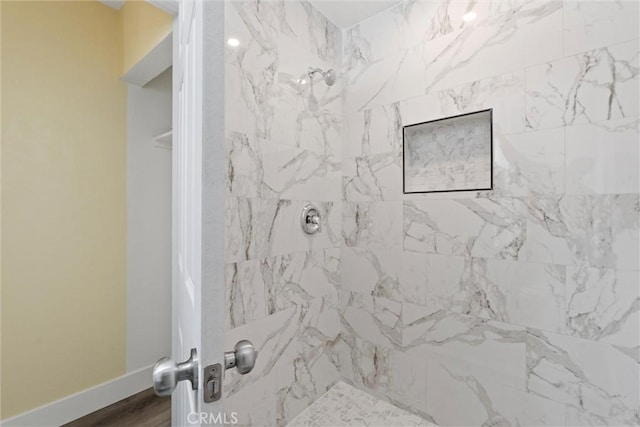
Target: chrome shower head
(328,76)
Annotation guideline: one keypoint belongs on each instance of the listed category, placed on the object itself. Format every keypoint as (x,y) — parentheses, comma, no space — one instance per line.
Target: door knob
(167,374)
(243,357)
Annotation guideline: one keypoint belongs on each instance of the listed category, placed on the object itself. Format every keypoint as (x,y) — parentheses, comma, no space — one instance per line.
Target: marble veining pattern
(283,150)
(515,306)
(344,405)
(519,305)
(450,154)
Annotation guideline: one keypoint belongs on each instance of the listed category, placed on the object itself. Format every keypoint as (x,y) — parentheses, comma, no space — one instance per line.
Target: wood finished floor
(144,409)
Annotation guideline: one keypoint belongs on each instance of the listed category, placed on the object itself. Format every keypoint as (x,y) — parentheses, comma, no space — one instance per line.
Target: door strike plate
(212,383)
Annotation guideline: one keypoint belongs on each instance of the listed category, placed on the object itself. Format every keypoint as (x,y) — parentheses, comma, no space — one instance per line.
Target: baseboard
(80,404)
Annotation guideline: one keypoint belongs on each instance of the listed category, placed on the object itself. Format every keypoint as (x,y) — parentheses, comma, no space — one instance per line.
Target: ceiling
(343,13)
(347,13)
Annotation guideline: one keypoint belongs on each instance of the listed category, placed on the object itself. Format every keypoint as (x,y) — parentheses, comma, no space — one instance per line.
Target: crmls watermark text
(211,418)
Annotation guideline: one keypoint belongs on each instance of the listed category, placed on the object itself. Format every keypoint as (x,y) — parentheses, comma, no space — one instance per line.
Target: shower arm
(313,71)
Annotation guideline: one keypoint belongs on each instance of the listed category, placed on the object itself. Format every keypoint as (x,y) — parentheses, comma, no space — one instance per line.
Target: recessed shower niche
(449,154)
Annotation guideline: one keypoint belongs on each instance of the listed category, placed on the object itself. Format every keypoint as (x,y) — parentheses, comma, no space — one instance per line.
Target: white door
(187,207)
(198,217)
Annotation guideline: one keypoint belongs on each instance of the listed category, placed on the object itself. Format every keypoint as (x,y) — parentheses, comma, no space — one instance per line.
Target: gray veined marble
(376,177)
(515,306)
(572,371)
(483,227)
(522,37)
(589,87)
(598,231)
(449,154)
(374,224)
(604,305)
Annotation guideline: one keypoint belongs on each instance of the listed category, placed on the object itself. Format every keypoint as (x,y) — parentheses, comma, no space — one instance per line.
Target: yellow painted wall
(143,27)
(63,200)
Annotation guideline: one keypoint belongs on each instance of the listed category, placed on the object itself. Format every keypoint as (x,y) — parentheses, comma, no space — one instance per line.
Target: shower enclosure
(511,306)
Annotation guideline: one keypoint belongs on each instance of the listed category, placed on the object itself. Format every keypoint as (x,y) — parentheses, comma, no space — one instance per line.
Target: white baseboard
(80,404)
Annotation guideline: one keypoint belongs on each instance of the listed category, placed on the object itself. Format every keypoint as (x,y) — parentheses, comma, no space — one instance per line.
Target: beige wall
(63,200)
(143,27)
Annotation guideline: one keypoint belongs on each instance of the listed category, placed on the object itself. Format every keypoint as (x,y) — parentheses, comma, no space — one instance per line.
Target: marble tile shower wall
(282,152)
(517,306)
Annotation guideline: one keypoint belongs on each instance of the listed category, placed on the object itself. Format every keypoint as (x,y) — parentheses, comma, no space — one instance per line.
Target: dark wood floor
(144,409)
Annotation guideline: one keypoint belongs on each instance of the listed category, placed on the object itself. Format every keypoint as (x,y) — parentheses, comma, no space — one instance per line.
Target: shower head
(328,76)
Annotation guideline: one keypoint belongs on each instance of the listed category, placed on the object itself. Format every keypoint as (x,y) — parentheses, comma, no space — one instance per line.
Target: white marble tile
(344,405)
(251,166)
(590,25)
(307,367)
(372,131)
(305,175)
(414,275)
(598,231)
(594,86)
(278,42)
(393,274)
(323,37)
(482,227)
(298,279)
(503,93)
(245,290)
(603,158)
(495,48)
(529,163)
(394,375)
(247,224)
(261,412)
(603,305)
(393,78)
(460,396)
(375,177)
(443,278)
(373,319)
(371,271)
(413,22)
(489,348)
(519,293)
(579,418)
(508,43)
(594,377)
(535,295)
(372,224)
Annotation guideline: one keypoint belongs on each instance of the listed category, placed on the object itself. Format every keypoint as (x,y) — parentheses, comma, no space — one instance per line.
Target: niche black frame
(404,142)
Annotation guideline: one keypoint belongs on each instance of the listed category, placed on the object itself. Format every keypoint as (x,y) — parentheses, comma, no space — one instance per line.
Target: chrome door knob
(167,374)
(243,357)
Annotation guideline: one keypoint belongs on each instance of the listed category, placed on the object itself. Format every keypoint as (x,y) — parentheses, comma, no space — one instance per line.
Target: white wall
(148,224)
